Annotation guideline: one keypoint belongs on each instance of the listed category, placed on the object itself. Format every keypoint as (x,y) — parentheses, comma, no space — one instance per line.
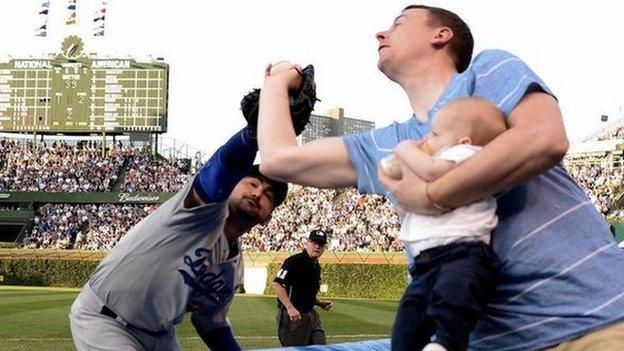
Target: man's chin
(384,68)
(380,65)
(248,214)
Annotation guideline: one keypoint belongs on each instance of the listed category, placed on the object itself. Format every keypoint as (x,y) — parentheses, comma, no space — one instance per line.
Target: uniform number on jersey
(281,274)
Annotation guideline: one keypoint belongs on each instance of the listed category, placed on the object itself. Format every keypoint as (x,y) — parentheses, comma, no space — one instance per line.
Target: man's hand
(321,163)
(289,78)
(409,191)
(324,304)
(293,314)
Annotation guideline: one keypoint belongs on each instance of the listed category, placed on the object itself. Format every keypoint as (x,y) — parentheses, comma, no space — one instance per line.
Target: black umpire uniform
(300,276)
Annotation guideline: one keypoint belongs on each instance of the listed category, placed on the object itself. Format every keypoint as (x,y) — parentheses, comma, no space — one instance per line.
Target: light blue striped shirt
(562,274)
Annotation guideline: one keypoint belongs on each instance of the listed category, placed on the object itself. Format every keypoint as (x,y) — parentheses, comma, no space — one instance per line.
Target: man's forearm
(219,339)
(275,131)
(515,156)
(322,163)
(282,295)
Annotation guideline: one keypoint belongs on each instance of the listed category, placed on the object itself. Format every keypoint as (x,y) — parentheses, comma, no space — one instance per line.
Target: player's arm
(322,163)
(219,339)
(231,163)
(424,165)
(214,328)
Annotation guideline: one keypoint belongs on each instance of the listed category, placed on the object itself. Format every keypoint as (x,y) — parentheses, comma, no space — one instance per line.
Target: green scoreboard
(72,92)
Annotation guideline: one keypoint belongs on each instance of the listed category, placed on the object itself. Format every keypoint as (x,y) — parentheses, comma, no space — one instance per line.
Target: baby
(455,270)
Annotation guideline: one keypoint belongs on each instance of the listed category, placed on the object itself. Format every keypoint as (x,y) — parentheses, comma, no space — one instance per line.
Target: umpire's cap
(280,189)
(319,236)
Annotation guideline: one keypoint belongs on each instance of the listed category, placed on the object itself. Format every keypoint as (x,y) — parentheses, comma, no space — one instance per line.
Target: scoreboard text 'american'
(75,93)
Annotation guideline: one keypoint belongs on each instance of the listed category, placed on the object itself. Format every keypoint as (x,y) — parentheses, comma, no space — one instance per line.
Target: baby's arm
(422,164)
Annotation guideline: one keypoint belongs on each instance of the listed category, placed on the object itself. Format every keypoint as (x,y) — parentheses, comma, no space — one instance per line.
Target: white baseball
(390,165)
(280,66)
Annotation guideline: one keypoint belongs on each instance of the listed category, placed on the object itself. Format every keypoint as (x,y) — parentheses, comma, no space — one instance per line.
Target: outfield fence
(251,258)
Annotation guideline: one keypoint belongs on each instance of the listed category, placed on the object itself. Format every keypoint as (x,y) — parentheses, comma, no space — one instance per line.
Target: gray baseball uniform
(172,262)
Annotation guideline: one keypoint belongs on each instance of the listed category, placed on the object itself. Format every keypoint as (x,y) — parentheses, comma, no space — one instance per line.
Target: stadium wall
(16,216)
(91,198)
(368,281)
(45,272)
(371,281)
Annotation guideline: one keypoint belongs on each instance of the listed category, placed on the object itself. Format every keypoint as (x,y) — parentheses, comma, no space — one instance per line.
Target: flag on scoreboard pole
(99,19)
(71,7)
(42,28)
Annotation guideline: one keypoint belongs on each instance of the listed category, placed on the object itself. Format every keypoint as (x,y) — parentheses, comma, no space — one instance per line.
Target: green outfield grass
(37,319)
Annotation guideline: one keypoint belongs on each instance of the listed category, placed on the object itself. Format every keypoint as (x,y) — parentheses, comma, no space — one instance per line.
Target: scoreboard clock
(72,92)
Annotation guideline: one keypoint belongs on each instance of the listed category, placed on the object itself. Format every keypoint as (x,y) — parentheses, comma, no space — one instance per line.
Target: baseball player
(184,257)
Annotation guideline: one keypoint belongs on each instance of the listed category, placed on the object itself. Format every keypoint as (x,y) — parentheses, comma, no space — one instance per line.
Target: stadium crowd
(88,226)
(616,133)
(58,168)
(61,167)
(149,174)
(357,222)
(600,184)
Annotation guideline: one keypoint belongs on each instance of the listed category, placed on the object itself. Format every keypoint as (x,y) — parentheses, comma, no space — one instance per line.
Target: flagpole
(42,28)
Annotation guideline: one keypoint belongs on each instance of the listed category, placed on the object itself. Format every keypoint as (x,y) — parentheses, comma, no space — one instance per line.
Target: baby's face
(444,133)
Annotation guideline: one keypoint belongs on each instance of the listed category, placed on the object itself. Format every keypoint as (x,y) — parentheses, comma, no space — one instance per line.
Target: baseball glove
(301,103)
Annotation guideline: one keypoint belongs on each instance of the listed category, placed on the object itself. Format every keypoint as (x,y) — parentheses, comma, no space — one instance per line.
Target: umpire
(296,286)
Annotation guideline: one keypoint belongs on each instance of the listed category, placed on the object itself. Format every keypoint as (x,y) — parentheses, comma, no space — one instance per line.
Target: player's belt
(110,313)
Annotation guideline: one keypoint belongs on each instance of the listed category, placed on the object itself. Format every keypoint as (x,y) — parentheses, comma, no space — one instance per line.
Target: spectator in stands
(617,133)
(59,168)
(359,222)
(601,184)
(146,174)
(89,226)
(83,168)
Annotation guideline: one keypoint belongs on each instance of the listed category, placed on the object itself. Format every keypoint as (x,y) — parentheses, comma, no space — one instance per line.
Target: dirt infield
(251,258)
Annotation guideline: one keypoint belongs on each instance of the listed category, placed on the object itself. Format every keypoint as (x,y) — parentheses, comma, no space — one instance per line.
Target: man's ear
(467,140)
(442,36)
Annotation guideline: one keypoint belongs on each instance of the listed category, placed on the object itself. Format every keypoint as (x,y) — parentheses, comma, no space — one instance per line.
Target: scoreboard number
(77,92)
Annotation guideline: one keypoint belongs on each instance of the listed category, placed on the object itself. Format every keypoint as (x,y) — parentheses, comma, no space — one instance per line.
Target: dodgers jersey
(174,261)
(561,272)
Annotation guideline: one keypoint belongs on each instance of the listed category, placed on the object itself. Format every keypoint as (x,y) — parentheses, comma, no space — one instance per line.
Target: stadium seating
(358,223)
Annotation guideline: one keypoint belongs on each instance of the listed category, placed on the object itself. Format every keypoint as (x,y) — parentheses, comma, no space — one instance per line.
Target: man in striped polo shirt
(561,283)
